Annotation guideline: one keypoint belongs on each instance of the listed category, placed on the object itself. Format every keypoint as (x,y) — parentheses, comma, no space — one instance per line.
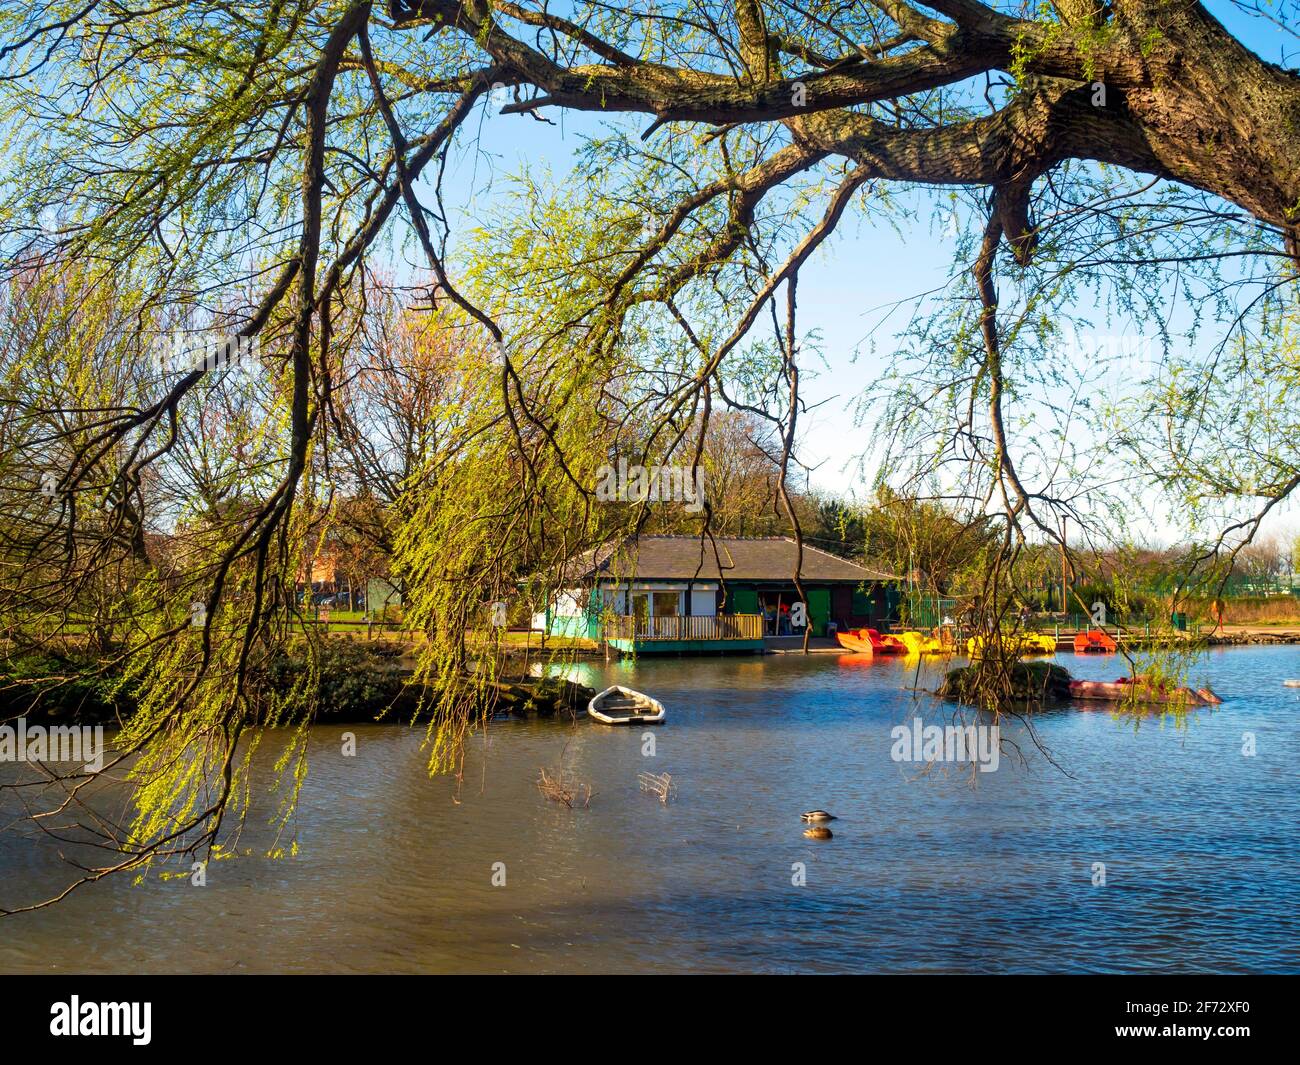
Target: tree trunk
(1216,116)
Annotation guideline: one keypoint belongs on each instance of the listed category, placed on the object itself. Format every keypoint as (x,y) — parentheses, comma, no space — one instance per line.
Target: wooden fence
(686,627)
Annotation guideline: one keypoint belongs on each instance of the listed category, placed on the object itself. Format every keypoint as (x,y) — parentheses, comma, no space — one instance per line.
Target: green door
(819,609)
(743,600)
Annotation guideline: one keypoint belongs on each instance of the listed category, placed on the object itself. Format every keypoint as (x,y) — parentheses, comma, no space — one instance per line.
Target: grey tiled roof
(767,558)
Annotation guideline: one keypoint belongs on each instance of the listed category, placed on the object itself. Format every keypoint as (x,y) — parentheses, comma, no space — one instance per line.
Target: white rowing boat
(623,706)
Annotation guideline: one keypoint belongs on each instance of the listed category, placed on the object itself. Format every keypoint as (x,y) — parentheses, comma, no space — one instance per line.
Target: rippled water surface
(925,874)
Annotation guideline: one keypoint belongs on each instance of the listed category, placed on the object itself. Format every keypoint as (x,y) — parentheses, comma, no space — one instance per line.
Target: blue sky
(844,291)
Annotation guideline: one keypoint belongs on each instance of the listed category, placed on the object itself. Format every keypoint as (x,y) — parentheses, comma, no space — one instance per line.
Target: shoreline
(391,693)
(1231,636)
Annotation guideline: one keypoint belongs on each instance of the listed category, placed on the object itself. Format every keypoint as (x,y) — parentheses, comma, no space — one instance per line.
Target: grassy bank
(355,681)
(1255,610)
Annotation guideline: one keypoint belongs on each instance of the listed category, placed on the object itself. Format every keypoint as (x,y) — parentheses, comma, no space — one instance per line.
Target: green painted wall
(568,625)
(893,597)
(588,625)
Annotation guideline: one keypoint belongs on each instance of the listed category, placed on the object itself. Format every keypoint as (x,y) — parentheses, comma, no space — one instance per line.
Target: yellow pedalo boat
(1024,643)
(920,643)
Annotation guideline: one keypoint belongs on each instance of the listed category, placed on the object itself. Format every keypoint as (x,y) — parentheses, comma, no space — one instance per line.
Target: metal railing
(684,627)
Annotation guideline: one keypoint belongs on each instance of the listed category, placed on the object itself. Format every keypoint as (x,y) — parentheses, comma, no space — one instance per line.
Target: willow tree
(238,167)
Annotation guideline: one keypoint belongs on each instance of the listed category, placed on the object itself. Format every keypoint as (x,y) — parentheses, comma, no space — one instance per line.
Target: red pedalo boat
(1094,642)
(870,642)
(1141,690)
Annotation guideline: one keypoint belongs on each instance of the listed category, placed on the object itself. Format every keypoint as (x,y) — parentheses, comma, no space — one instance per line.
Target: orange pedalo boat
(870,642)
(1094,642)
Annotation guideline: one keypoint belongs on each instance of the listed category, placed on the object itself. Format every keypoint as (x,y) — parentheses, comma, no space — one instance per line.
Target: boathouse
(684,594)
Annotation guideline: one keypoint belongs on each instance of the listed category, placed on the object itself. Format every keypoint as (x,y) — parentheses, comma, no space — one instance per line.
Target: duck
(813,816)
(818,832)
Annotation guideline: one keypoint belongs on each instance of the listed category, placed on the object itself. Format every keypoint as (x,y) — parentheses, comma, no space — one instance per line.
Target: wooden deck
(685,633)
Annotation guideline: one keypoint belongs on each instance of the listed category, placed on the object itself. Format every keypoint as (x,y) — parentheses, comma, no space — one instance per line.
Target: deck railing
(682,627)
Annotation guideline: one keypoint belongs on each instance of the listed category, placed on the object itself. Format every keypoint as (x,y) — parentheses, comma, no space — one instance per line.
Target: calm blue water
(926,873)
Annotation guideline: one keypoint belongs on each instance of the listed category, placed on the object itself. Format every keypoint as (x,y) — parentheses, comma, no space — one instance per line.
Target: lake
(938,872)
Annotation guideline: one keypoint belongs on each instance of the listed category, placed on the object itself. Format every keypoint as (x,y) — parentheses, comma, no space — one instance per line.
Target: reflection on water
(925,873)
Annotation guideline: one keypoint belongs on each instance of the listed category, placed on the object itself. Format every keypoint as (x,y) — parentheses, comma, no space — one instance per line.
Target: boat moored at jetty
(1094,642)
(1021,643)
(920,643)
(870,642)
